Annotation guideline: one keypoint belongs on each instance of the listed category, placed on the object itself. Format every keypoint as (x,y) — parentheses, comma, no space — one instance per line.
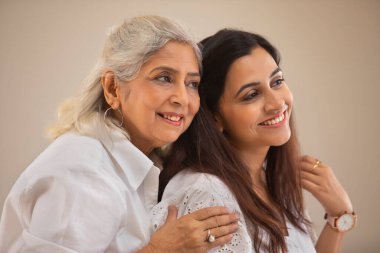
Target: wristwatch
(343,222)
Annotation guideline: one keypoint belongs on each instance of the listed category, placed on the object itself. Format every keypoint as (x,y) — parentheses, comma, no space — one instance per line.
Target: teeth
(172,118)
(274,121)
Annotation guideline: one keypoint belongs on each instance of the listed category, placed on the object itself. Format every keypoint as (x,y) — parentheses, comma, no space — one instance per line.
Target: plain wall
(330,51)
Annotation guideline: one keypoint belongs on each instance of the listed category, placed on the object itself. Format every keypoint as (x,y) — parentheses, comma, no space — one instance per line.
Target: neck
(144,147)
(254,159)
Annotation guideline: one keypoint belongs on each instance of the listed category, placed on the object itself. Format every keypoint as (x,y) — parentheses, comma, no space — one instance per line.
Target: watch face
(345,222)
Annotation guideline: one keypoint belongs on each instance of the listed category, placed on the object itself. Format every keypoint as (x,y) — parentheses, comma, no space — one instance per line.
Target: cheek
(288,97)
(250,115)
(124,94)
(235,120)
(194,104)
(153,100)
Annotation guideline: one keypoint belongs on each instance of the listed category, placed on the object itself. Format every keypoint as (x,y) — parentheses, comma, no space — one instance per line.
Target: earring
(122,117)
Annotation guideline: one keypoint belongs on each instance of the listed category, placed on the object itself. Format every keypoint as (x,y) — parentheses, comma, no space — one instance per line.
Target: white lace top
(191,191)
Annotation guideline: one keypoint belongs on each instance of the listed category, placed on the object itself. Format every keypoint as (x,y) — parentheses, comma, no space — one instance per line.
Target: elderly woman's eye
(165,79)
(193,84)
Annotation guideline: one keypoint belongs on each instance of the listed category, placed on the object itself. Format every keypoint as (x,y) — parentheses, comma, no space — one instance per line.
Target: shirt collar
(134,163)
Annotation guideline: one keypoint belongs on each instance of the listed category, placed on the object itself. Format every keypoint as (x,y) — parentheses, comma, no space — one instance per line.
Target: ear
(218,122)
(110,89)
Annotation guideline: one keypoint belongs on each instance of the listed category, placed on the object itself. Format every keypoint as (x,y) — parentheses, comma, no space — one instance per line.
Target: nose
(274,102)
(180,95)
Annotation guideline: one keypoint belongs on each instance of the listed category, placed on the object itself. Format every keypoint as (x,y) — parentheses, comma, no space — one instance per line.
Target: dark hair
(203,148)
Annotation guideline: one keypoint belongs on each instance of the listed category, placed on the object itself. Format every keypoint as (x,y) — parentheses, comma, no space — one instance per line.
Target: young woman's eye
(278,82)
(164,79)
(250,96)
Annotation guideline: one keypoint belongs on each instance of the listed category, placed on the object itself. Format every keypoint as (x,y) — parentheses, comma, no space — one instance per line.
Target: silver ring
(210,237)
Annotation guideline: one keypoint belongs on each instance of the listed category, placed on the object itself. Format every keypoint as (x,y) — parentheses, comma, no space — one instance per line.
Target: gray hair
(127,48)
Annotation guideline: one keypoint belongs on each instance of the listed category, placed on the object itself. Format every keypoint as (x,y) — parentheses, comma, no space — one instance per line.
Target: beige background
(330,49)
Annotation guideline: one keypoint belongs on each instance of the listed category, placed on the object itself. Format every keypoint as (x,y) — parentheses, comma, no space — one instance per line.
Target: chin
(164,140)
(281,140)
(278,144)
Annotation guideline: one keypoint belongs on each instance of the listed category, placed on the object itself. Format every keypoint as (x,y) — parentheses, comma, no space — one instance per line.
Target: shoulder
(75,146)
(69,172)
(190,191)
(72,165)
(189,180)
(67,154)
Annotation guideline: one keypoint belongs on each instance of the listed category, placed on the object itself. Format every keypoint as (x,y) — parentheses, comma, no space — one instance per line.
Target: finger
(172,213)
(311,177)
(219,241)
(312,161)
(308,158)
(309,186)
(306,166)
(221,220)
(225,230)
(208,212)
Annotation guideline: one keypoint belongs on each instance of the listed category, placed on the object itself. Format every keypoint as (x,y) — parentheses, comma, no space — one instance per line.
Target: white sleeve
(78,213)
(205,192)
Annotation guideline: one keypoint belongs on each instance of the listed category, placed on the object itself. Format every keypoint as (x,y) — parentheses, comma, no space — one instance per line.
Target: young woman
(92,188)
(241,151)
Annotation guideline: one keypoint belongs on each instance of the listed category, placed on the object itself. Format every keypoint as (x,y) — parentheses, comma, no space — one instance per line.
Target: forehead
(175,54)
(255,67)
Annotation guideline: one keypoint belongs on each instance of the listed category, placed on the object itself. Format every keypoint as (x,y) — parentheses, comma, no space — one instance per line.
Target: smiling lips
(172,118)
(273,122)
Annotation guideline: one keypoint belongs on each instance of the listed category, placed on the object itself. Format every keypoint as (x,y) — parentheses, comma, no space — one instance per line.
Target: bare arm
(188,233)
(330,240)
(325,187)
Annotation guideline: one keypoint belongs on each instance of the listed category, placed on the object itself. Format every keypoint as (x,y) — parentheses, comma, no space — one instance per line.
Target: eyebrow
(253,84)
(170,69)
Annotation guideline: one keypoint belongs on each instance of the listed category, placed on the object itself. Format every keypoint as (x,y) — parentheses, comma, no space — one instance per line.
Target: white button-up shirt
(81,195)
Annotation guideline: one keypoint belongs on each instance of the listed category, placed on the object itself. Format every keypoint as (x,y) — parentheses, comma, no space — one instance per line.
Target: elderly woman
(92,188)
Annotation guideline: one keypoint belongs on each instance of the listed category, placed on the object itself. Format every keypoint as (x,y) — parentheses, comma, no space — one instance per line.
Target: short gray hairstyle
(126,49)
